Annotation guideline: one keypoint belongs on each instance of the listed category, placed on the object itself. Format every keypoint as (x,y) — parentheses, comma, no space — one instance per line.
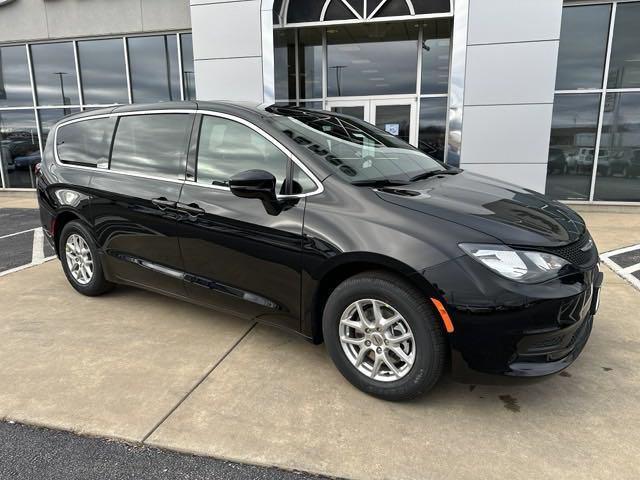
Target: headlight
(521,266)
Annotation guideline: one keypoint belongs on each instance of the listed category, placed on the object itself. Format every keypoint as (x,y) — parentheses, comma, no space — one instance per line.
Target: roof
(237,108)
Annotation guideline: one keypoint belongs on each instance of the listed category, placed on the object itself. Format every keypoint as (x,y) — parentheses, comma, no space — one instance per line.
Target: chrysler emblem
(587,246)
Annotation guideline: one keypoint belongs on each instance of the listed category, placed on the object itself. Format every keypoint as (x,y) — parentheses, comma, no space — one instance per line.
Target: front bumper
(516,330)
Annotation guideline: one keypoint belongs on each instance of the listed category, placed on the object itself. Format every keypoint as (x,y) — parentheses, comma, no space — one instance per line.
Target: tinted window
(19,150)
(102,71)
(572,146)
(227,147)
(152,144)
(15,86)
(187,65)
(618,176)
(376,59)
(54,70)
(355,150)
(302,183)
(310,63)
(86,142)
(435,57)
(583,47)
(433,127)
(285,64)
(49,117)
(155,74)
(624,68)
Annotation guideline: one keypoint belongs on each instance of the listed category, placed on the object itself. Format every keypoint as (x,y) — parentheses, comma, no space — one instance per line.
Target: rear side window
(153,144)
(227,147)
(85,143)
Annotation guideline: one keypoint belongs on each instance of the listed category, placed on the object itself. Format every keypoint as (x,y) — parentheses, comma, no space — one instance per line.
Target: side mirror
(258,184)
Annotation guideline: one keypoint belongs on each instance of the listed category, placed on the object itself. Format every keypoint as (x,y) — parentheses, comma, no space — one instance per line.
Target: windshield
(357,151)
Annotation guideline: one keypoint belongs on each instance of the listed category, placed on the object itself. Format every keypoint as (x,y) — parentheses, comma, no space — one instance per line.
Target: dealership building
(541,93)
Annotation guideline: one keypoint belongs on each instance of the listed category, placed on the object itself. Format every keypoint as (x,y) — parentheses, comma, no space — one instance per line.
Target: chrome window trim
(319,187)
(182,179)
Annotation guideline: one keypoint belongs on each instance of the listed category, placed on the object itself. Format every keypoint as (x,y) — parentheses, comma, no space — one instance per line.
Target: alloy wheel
(377,340)
(79,259)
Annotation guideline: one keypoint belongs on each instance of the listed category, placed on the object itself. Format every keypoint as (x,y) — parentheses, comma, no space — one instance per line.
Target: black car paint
(280,268)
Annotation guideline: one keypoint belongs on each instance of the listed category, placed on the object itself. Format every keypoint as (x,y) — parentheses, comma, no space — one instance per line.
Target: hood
(513,215)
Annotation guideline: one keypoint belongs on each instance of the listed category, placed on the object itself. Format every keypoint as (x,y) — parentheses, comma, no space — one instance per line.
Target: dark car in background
(323,224)
(29,161)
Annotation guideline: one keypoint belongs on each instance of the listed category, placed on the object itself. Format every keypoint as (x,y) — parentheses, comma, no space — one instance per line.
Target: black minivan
(323,224)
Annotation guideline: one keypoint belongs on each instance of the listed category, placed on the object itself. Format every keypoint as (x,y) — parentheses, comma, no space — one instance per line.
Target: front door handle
(192,209)
(162,203)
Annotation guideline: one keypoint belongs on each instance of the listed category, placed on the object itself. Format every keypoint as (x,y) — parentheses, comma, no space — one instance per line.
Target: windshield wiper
(434,173)
(381,182)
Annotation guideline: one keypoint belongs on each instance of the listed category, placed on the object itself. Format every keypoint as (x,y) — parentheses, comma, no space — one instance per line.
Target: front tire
(80,260)
(383,336)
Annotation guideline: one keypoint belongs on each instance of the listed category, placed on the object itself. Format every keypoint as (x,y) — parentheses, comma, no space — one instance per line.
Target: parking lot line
(37,256)
(19,233)
(626,271)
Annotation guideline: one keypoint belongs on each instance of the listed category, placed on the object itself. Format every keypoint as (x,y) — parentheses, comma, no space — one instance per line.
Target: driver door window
(227,147)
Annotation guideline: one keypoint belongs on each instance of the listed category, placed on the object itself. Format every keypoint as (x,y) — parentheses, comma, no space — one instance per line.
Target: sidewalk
(18,199)
(142,367)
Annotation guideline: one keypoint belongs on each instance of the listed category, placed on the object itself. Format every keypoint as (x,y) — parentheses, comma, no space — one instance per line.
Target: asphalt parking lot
(22,242)
(153,371)
(30,453)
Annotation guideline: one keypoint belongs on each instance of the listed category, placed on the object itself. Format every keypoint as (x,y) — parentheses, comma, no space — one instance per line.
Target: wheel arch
(62,219)
(347,265)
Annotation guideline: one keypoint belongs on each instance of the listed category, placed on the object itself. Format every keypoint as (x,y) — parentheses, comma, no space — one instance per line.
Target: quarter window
(227,147)
(153,144)
(302,183)
(85,143)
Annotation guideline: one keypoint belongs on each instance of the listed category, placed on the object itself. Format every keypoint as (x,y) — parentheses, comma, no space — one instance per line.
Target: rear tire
(80,260)
(367,352)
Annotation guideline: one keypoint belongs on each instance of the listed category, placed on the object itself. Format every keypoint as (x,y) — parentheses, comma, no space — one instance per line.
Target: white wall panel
(511,73)
(229,79)
(501,21)
(507,134)
(531,176)
(225,30)
(93,17)
(23,20)
(158,15)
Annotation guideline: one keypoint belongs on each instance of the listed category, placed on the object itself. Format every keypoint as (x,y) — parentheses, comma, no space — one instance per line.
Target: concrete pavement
(139,366)
(9,199)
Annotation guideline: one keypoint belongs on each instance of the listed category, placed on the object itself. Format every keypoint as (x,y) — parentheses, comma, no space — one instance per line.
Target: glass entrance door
(395,116)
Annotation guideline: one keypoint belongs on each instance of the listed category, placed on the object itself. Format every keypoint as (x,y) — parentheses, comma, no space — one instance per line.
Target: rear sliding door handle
(192,209)
(162,203)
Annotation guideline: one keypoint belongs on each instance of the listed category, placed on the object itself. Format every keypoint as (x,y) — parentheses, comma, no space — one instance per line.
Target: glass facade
(343,67)
(379,59)
(42,82)
(155,74)
(594,152)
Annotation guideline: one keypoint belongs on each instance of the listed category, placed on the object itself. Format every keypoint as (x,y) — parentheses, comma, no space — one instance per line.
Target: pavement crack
(198,383)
